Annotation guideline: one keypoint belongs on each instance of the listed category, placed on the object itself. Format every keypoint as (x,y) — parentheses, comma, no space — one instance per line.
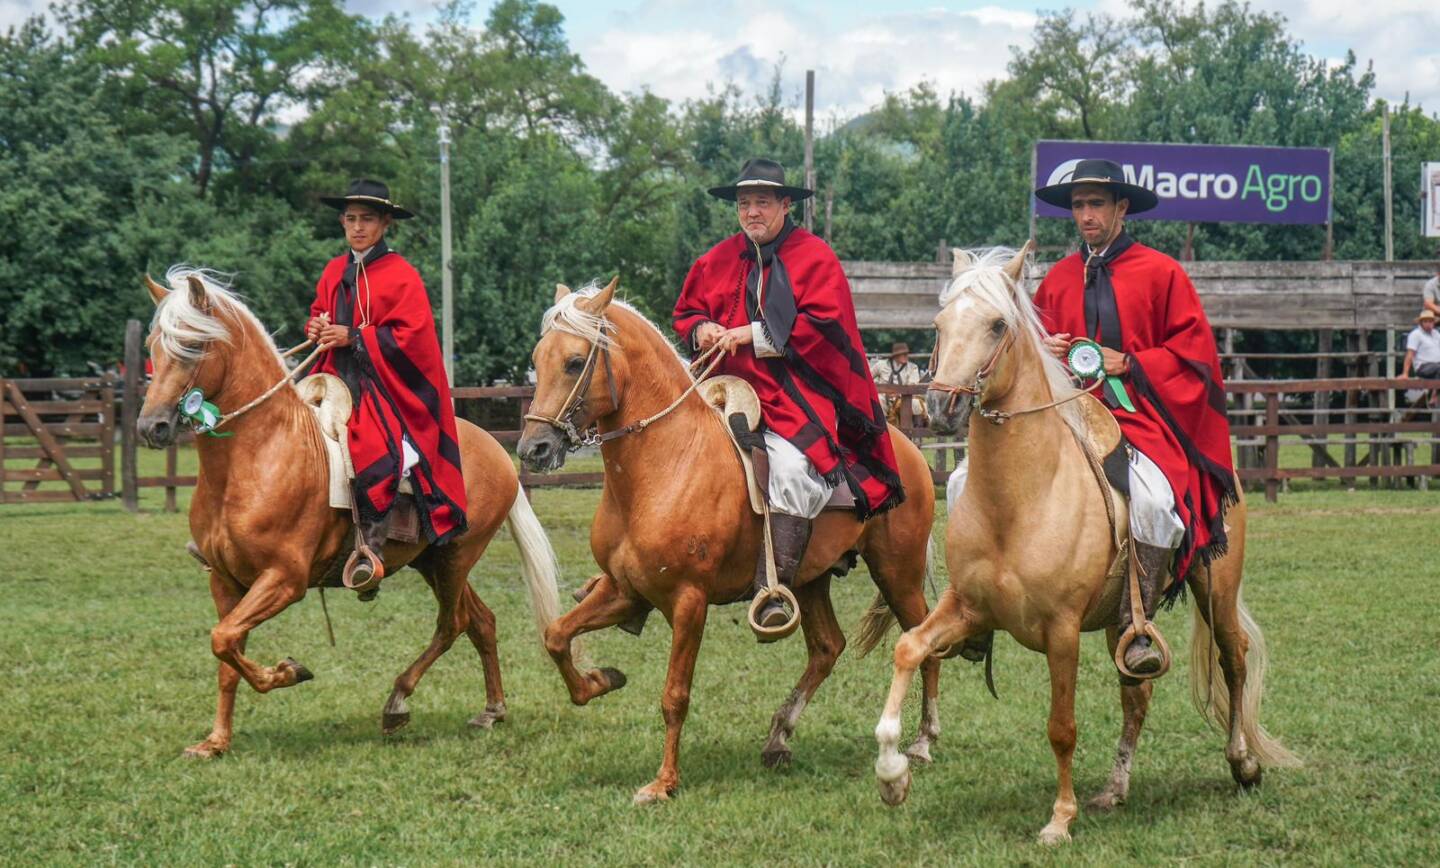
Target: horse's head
(574,376)
(185,326)
(982,315)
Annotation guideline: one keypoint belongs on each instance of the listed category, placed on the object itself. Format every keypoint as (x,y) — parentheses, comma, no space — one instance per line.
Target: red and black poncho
(818,394)
(1174,380)
(397,379)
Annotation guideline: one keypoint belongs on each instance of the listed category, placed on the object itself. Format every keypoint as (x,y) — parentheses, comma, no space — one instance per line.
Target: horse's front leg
(226,595)
(687,624)
(1134,702)
(603,607)
(946,624)
(270,595)
(824,640)
(1062,653)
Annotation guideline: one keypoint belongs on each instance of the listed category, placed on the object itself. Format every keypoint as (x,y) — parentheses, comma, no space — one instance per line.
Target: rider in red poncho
(795,340)
(378,323)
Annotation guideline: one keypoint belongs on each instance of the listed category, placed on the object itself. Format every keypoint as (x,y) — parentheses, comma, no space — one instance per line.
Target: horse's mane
(566,316)
(980,274)
(182,330)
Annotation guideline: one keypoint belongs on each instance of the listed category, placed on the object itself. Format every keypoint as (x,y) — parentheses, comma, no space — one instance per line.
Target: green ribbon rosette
(200,413)
(1087,362)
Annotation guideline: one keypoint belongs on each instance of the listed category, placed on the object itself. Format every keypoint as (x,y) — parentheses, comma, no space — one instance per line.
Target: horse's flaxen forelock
(980,274)
(182,330)
(566,316)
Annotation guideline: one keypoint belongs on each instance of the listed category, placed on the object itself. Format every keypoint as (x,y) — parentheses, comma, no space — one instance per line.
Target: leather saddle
(738,405)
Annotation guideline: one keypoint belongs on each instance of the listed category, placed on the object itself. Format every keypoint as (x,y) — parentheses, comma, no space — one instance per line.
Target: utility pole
(447,278)
(810,148)
(1389,206)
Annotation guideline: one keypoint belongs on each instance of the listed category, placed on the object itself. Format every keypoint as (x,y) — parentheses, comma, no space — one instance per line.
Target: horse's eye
(997,327)
(574,365)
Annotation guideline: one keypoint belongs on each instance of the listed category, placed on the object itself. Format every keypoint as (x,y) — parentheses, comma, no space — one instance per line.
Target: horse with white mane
(261,517)
(1033,539)
(675,530)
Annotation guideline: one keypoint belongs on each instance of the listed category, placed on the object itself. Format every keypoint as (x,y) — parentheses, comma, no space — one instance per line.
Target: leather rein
(564,420)
(996,417)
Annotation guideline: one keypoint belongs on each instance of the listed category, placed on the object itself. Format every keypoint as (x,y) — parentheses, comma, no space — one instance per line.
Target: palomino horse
(1029,547)
(675,530)
(261,515)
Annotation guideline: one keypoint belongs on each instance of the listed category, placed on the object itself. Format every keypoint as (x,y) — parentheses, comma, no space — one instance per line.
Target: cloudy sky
(861,48)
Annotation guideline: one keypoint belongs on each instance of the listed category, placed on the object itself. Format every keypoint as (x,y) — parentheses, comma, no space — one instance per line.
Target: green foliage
(149,132)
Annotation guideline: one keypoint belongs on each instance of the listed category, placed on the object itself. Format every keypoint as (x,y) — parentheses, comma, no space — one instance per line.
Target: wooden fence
(65,426)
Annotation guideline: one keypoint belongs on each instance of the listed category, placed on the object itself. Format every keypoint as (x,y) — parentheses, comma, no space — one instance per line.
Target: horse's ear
(561,290)
(959,261)
(198,298)
(157,292)
(598,302)
(1015,268)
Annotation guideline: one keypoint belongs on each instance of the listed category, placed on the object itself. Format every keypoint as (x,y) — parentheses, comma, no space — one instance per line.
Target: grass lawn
(110,677)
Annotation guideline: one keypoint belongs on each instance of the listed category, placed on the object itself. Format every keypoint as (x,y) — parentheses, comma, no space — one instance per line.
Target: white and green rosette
(200,413)
(1087,362)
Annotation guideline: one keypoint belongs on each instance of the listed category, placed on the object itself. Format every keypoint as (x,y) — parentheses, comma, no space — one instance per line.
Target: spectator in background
(1431,292)
(898,370)
(1422,348)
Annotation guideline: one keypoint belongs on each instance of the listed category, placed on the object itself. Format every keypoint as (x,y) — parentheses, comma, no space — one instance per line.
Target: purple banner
(1204,183)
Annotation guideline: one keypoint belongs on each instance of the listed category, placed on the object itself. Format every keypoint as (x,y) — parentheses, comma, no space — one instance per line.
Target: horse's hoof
(614,677)
(302,674)
(1247,772)
(1107,800)
(894,793)
(203,751)
(774,758)
(393,723)
(1052,836)
(920,752)
(651,793)
(489,717)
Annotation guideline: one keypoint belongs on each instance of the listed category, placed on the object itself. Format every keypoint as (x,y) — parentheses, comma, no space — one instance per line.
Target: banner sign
(1430,198)
(1204,183)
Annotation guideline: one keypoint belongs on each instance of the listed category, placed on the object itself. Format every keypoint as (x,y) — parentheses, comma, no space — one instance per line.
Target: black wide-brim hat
(1104,173)
(374,194)
(761,174)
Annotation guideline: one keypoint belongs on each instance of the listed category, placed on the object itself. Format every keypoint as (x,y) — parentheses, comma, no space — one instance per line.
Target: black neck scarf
(774,308)
(1102,316)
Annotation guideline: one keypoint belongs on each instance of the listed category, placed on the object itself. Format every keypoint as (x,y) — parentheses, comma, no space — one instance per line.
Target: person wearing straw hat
(1164,385)
(775,301)
(1422,348)
(897,370)
(372,312)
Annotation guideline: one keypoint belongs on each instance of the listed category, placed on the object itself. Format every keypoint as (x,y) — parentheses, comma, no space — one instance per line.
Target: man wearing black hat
(1168,395)
(774,298)
(372,310)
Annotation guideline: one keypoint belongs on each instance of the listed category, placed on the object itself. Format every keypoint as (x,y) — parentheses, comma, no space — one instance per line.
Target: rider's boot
(1152,563)
(790,534)
(365,568)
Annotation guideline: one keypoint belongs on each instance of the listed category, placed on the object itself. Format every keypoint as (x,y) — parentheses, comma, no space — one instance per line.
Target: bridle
(564,420)
(974,390)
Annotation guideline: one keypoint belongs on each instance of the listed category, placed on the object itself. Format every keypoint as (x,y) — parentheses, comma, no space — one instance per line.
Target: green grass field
(110,677)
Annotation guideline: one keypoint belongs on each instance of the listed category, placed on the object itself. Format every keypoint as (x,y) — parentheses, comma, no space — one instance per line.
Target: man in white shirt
(1422,348)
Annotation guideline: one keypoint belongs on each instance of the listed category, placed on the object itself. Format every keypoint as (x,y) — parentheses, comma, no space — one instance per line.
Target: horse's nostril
(160,431)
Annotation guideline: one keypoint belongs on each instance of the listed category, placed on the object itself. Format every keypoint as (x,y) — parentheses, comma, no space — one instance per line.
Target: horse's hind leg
(446,578)
(946,624)
(824,640)
(225,595)
(1134,702)
(603,607)
(1220,595)
(481,630)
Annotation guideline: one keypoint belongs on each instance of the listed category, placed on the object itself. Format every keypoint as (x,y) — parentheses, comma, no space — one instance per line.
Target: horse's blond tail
(1211,695)
(876,621)
(538,564)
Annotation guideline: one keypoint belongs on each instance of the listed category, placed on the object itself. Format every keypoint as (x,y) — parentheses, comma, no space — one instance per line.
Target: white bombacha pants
(1153,519)
(795,488)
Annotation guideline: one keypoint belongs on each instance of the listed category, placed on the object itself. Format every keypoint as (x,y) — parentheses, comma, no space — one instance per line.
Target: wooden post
(2,439)
(1272,447)
(129,412)
(107,439)
(172,469)
(829,208)
(1389,187)
(942,253)
(1187,253)
(810,148)
(1321,400)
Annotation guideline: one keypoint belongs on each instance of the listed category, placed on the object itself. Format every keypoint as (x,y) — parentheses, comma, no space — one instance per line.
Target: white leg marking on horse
(890,765)
(396,705)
